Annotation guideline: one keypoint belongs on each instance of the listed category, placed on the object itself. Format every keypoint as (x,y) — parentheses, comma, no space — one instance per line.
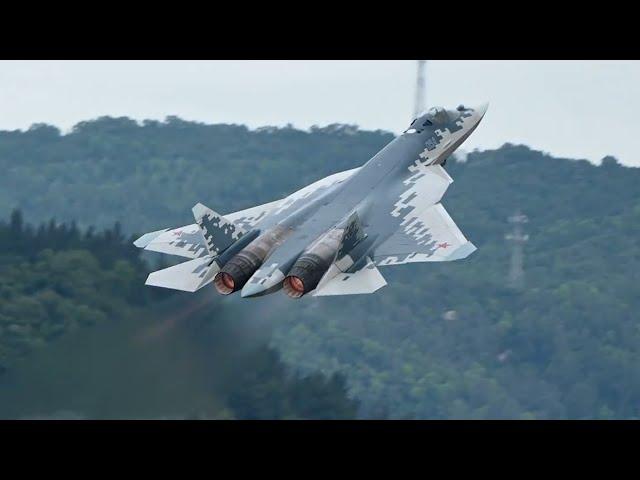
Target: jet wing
(427,236)
(188,241)
(430,235)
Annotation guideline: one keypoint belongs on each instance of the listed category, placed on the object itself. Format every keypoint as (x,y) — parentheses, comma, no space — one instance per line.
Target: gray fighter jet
(330,237)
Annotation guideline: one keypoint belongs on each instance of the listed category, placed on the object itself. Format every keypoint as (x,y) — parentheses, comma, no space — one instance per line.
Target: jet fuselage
(371,193)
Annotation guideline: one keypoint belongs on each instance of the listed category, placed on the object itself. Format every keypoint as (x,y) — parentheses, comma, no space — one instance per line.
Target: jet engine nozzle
(311,266)
(224,283)
(236,272)
(294,286)
(305,275)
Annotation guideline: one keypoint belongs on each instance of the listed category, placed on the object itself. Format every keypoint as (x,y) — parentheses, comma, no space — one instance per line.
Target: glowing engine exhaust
(238,270)
(311,266)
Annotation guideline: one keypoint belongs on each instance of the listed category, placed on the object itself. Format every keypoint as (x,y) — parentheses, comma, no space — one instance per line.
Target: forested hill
(441,341)
(151,174)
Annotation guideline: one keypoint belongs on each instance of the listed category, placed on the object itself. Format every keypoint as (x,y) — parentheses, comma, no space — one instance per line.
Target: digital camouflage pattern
(387,213)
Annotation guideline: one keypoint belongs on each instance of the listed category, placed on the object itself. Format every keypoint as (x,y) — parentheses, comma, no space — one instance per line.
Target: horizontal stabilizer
(186,241)
(366,280)
(188,276)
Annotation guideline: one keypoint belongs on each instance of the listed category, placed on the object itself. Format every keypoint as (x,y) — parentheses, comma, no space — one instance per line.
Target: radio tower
(421,100)
(517,238)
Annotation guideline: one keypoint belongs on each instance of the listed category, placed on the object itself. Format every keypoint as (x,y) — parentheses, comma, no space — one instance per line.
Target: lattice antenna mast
(517,238)
(421,99)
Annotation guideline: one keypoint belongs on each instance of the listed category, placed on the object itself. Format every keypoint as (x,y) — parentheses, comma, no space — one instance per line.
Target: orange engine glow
(293,287)
(224,283)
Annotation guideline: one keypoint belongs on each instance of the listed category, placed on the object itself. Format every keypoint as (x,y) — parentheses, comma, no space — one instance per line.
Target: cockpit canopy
(438,115)
(433,116)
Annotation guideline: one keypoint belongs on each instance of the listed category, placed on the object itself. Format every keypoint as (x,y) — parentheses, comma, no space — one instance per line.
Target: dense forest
(141,175)
(57,282)
(441,340)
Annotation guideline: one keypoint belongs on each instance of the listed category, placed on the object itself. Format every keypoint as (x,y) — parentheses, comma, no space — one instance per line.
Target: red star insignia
(444,245)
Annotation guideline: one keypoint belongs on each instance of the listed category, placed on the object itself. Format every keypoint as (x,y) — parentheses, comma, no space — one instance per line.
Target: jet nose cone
(481,109)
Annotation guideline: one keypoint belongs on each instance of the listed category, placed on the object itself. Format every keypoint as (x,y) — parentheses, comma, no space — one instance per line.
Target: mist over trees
(82,295)
(441,340)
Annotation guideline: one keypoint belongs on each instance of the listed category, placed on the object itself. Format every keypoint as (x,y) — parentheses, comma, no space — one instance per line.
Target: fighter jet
(331,237)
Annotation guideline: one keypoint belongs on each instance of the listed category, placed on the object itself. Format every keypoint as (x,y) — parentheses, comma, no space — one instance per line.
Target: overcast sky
(575,109)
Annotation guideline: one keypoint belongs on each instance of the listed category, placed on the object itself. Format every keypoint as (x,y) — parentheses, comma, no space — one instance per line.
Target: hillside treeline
(58,281)
(441,340)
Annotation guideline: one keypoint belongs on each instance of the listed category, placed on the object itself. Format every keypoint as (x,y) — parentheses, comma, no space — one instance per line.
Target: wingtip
(147,238)
(463,251)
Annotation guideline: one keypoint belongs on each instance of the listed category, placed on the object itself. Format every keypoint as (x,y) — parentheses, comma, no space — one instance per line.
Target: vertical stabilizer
(219,233)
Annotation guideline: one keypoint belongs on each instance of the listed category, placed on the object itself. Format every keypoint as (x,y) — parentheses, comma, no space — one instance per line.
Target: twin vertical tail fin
(219,234)
(353,235)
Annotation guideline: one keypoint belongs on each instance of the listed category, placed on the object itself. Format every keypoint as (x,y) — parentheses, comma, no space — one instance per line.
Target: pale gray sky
(575,109)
